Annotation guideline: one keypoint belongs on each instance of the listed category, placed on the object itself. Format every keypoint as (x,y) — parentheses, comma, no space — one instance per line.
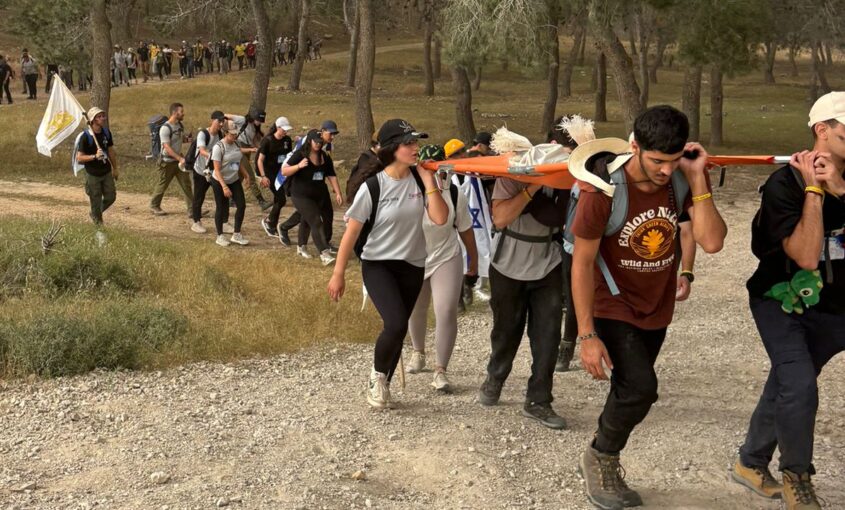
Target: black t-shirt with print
(96,168)
(780,211)
(274,151)
(310,182)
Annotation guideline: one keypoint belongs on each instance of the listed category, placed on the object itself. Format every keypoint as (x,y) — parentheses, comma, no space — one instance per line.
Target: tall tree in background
(302,38)
(263,56)
(353,26)
(553,71)
(100,55)
(428,17)
(366,69)
(577,26)
(600,113)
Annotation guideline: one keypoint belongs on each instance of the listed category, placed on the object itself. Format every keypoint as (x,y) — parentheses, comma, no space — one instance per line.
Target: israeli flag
(482,222)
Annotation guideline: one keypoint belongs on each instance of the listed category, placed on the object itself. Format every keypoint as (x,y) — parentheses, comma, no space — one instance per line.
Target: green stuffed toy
(803,290)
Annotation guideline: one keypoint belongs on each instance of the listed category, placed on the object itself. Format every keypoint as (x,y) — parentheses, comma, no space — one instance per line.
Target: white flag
(63,115)
(481,222)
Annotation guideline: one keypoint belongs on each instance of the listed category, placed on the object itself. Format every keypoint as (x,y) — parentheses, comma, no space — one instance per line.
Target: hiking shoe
(544,414)
(564,356)
(198,228)
(228,228)
(798,492)
(326,257)
(302,251)
(271,231)
(490,392)
(222,241)
(157,211)
(417,363)
(283,238)
(600,472)
(441,382)
(378,391)
(237,238)
(758,479)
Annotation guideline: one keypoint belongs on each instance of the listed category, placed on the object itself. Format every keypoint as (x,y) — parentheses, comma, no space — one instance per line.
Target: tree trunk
(716,101)
(623,71)
(582,46)
(691,101)
(631,39)
(354,39)
(463,103)
(828,52)
(577,40)
(435,60)
(428,69)
(643,35)
(302,38)
(100,55)
(263,56)
(818,69)
(793,63)
(550,106)
(476,79)
(769,70)
(366,67)
(600,114)
(662,43)
(594,76)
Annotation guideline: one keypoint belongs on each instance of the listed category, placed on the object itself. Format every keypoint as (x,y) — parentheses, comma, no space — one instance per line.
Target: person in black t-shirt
(271,154)
(798,230)
(6,77)
(100,163)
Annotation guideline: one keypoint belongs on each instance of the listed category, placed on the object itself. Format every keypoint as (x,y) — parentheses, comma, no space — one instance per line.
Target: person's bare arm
(337,283)
(338,196)
(468,238)
(113,159)
(688,248)
(506,211)
(436,208)
(708,228)
(805,243)
(593,351)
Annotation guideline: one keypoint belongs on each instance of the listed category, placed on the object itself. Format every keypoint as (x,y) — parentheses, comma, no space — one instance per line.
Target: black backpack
(193,153)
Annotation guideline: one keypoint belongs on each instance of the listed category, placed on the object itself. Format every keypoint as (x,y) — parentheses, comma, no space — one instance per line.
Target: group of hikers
(613,255)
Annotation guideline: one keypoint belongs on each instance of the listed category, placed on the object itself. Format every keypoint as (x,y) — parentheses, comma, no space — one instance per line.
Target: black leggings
(31,85)
(394,286)
(221,211)
(312,217)
(201,186)
(279,200)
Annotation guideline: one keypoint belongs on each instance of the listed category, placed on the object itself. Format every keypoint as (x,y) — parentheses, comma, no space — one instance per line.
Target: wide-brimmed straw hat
(589,150)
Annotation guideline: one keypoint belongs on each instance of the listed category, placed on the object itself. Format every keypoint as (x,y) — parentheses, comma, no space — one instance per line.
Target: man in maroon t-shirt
(625,331)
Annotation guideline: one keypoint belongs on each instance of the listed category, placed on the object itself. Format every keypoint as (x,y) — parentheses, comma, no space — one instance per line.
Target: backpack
(154,124)
(193,153)
(74,164)
(375,192)
(678,191)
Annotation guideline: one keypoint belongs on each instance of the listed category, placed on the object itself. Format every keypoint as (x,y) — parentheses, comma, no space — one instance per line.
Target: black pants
(279,200)
(539,303)
(132,75)
(311,210)
(798,346)
(201,185)
(5,81)
(221,211)
(633,384)
(394,286)
(32,85)
(326,213)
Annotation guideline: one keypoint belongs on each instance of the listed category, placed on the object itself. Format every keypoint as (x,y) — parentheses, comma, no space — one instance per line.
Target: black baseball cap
(396,131)
(218,115)
(483,137)
(259,115)
(330,126)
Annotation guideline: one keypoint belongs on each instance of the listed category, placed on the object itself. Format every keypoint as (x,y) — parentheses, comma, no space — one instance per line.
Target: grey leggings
(444,287)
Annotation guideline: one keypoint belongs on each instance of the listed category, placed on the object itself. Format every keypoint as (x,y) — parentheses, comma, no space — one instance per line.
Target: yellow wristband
(430,192)
(815,190)
(527,195)
(702,198)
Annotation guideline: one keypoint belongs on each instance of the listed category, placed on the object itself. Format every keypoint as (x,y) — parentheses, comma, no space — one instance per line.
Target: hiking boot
(758,479)
(198,228)
(798,492)
(222,241)
(157,211)
(283,238)
(600,472)
(326,257)
(417,363)
(490,392)
(564,356)
(237,238)
(271,231)
(302,251)
(378,390)
(544,414)
(441,382)
(228,228)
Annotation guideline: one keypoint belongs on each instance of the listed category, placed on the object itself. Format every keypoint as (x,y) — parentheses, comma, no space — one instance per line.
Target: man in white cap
(802,214)
(100,162)
(272,152)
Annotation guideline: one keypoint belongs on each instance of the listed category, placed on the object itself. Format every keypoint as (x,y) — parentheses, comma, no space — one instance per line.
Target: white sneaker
(302,251)
(417,363)
(378,391)
(222,241)
(198,228)
(441,382)
(228,229)
(326,258)
(239,239)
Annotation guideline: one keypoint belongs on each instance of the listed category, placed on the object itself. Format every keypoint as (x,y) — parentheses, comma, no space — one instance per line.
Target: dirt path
(290,431)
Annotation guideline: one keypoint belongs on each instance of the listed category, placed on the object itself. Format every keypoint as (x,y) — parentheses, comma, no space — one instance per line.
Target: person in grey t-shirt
(227,183)
(206,140)
(172,161)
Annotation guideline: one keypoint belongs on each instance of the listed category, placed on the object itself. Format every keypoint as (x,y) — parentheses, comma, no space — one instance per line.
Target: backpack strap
(619,207)
(374,188)
(453,194)
(416,175)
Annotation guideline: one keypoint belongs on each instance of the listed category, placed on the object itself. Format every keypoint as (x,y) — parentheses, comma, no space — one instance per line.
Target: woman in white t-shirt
(392,250)
(444,272)
(228,182)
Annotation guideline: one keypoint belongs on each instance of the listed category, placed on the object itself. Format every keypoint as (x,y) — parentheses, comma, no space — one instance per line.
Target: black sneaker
(544,414)
(564,356)
(271,231)
(283,238)
(490,392)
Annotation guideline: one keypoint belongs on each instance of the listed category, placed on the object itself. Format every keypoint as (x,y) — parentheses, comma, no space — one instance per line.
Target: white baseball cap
(828,107)
(283,123)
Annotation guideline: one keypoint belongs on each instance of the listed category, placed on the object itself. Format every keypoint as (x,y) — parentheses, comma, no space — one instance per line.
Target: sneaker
(758,479)
(198,228)
(332,249)
(222,241)
(417,363)
(490,392)
(544,414)
(271,231)
(239,239)
(564,356)
(283,238)
(326,257)
(600,473)
(441,382)
(798,492)
(228,228)
(157,211)
(302,251)
(378,391)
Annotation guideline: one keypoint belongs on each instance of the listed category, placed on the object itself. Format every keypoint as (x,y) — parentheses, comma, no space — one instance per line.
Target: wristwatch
(689,275)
